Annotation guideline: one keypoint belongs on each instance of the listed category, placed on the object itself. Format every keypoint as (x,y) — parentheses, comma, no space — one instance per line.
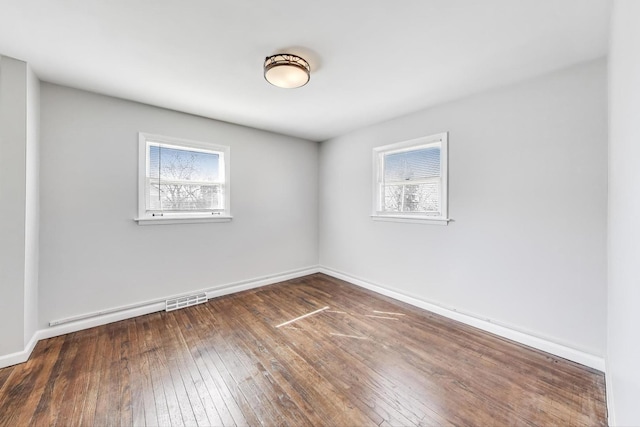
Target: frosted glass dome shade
(286,71)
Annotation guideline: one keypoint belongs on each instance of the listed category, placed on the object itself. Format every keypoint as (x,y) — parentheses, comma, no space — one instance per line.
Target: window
(410,180)
(182,181)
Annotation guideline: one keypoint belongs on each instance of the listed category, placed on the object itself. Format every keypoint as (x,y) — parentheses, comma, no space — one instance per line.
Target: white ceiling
(371,60)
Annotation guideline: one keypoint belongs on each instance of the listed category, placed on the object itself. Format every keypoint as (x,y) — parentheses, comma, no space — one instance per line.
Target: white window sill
(412,219)
(192,219)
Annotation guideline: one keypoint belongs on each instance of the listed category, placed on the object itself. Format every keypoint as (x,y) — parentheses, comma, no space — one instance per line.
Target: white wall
(623,340)
(13,104)
(528,191)
(93,256)
(32,202)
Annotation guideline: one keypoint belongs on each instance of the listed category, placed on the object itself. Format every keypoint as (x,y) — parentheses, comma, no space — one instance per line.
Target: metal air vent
(182,302)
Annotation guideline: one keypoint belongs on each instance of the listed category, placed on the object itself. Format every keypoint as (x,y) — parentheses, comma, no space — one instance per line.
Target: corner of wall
(32,207)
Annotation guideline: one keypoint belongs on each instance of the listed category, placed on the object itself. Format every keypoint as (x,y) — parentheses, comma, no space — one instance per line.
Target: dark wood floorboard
(363,360)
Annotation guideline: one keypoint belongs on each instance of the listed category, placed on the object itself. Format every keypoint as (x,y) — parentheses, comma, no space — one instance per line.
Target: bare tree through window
(183,180)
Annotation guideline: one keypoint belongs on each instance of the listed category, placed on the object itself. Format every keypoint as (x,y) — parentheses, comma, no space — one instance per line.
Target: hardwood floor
(361,359)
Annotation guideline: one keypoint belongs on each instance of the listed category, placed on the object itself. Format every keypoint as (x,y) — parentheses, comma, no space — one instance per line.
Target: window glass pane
(412,165)
(181,164)
(393,198)
(423,197)
(184,197)
(183,180)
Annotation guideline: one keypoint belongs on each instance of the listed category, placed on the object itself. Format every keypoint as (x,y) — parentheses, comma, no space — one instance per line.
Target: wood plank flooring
(361,360)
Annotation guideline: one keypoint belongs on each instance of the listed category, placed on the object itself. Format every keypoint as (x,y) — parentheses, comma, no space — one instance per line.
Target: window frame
(146,217)
(379,152)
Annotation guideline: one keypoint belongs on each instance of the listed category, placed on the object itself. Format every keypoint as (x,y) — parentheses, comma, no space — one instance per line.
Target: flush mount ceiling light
(286,70)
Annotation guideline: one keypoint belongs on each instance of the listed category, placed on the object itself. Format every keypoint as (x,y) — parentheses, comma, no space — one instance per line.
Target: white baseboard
(545,345)
(19,356)
(90,320)
(608,384)
(256,283)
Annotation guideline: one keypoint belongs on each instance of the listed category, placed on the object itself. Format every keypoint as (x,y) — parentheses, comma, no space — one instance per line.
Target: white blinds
(412,165)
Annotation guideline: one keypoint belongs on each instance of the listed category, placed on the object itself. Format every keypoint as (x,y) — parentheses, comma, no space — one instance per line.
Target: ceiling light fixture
(286,70)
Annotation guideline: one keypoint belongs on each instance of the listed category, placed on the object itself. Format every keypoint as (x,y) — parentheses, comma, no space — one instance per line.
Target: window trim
(147,218)
(409,145)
